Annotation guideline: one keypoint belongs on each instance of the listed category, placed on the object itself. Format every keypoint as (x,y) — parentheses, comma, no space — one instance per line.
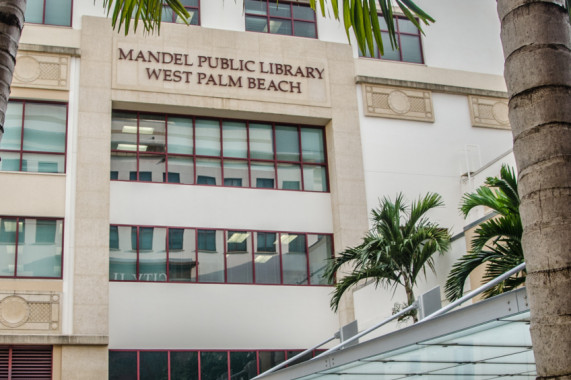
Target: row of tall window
(31,247)
(34,137)
(265,16)
(218,152)
(139,253)
(195,365)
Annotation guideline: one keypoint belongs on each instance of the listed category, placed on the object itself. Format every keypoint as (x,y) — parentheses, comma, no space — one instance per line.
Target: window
(26,362)
(34,137)
(49,12)
(174,254)
(194,365)
(408,42)
(191,6)
(288,18)
(217,152)
(31,248)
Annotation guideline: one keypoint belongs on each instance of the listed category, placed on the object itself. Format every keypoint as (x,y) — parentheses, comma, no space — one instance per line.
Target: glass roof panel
(487,351)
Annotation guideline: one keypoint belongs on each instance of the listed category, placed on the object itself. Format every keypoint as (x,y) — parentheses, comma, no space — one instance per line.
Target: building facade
(169,201)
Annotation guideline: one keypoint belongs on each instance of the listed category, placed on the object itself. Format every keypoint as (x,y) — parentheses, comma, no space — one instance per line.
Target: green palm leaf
(398,248)
(497,241)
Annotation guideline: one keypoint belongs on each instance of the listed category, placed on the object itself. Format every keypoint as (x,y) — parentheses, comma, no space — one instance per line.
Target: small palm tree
(497,242)
(395,251)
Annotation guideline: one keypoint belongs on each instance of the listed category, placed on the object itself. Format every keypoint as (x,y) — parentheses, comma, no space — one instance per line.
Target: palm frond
(362,17)
(125,13)
(497,241)
(395,250)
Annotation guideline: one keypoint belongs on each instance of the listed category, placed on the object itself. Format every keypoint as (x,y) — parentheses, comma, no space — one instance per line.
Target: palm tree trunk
(11,24)
(536,38)
(409,296)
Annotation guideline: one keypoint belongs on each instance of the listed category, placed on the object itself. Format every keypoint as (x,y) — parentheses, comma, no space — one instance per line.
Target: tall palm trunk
(11,24)
(536,38)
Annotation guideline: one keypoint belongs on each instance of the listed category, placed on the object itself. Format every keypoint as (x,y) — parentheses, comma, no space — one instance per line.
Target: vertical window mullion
(167,247)
(291,19)
(274,143)
(397,22)
(138,365)
(22,135)
(228,365)
(221,139)
(44,12)
(138,159)
(253,256)
(302,187)
(279,243)
(16,245)
(65,146)
(198,353)
(196,267)
(168,361)
(224,237)
(167,157)
(194,158)
(307,269)
(248,154)
(10,351)
(138,251)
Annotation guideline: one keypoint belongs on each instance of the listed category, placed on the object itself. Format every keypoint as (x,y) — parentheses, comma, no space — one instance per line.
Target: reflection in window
(35,137)
(210,259)
(287,18)
(409,47)
(192,7)
(216,152)
(30,247)
(161,254)
(49,12)
(192,365)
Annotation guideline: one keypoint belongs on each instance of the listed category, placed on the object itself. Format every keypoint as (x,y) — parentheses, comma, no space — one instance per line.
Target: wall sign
(222,71)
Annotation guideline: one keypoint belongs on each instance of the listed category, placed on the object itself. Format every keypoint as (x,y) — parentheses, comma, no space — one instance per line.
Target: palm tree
(498,240)
(395,251)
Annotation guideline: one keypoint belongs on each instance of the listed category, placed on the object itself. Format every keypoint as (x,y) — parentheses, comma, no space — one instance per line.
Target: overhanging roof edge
(501,306)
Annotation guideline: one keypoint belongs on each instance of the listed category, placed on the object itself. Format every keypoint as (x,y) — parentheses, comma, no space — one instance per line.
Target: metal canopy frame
(499,308)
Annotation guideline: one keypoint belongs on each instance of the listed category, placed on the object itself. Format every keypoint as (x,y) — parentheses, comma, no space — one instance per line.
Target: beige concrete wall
(84,362)
(326,97)
(32,194)
(91,238)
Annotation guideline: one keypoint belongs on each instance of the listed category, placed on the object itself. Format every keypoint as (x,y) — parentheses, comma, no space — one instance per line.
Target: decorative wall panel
(397,103)
(39,70)
(489,112)
(30,311)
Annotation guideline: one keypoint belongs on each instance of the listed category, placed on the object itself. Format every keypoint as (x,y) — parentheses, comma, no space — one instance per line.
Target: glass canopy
(480,342)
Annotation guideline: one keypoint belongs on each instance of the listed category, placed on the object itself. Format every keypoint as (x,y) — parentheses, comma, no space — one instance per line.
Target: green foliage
(148,12)
(361,16)
(497,241)
(395,251)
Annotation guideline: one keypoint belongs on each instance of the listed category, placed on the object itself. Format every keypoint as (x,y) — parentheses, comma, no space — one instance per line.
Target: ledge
(361,79)
(72,340)
(74,52)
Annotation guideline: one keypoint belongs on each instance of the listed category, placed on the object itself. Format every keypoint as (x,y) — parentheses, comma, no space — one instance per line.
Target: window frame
(292,19)
(44,16)
(221,159)
(287,354)
(19,241)
(398,33)
(21,151)
(225,251)
(187,7)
